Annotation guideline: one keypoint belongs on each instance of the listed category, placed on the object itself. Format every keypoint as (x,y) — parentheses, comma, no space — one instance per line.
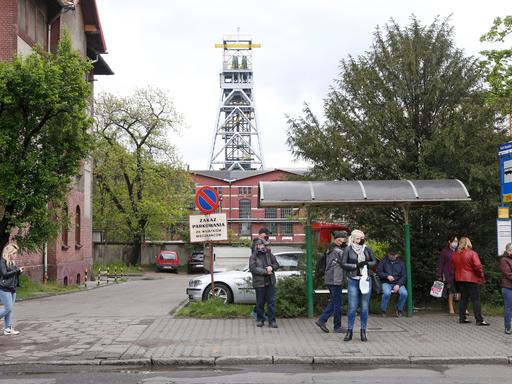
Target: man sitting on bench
(391,272)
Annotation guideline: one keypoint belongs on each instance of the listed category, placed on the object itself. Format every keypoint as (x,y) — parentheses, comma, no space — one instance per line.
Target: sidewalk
(162,340)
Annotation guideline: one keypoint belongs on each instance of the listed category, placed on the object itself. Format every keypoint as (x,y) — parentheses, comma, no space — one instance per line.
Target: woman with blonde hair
(469,275)
(357,260)
(9,278)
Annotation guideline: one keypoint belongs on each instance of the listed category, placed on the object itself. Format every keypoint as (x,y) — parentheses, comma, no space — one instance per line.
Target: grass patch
(215,309)
(30,289)
(122,268)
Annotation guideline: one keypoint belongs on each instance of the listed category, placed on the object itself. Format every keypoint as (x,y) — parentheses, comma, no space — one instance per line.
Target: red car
(168,260)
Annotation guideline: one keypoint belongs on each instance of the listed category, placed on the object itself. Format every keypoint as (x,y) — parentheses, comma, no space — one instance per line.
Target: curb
(270,360)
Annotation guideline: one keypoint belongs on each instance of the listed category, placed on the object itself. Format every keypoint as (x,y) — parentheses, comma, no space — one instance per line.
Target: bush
(215,309)
(291,297)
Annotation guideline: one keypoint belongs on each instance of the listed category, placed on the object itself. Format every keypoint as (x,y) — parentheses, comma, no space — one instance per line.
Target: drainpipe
(65,7)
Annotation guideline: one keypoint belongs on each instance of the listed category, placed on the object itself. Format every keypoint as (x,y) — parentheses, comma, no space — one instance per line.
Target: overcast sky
(170,44)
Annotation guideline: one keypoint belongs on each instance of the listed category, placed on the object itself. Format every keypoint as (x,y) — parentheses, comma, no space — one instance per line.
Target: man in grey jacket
(333,280)
(263,265)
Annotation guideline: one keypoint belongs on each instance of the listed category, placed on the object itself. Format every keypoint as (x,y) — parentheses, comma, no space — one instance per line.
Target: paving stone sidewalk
(143,340)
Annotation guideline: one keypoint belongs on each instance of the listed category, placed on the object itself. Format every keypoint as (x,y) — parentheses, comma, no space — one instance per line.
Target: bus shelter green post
(407,249)
(309,265)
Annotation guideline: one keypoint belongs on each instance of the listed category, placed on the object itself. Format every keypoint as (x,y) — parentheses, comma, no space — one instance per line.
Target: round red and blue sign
(207,199)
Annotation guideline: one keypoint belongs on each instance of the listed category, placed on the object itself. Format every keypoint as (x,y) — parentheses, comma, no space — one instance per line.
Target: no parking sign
(207,199)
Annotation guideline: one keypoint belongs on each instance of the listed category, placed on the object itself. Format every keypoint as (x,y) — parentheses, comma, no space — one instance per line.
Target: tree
(43,137)
(499,65)
(141,188)
(410,108)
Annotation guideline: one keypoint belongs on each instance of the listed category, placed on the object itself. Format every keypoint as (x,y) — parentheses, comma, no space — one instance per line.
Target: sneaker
(482,323)
(273,324)
(508,331)
(322,326)
(464,321)
(338,330)
(399,313)
(10,331)
(259,324)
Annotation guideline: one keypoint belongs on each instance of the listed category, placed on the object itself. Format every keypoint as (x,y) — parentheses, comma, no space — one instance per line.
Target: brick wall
(8,28)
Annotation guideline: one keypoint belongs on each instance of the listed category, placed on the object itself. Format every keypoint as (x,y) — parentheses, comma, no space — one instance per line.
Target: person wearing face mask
(264,234)
(357,261)
(263,265)
(392,274)
(445,270)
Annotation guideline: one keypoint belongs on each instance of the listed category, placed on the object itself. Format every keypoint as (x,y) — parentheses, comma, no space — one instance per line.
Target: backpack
(321,265)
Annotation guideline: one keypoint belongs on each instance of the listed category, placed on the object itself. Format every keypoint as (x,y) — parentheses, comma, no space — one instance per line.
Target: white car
(236,286)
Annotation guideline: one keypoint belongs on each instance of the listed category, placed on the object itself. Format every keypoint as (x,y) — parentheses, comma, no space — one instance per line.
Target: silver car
(236,286)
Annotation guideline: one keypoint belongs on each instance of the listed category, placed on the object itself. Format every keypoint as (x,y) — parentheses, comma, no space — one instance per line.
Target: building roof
(234,175)
(376,193)
(94,36)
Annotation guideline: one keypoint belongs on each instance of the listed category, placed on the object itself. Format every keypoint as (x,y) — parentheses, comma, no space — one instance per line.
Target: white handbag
(437,289)
(364,281)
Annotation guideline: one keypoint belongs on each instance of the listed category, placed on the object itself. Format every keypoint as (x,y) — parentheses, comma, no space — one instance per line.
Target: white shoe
(10,331)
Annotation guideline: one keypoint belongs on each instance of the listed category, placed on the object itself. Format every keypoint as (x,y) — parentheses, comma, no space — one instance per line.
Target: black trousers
(469,291)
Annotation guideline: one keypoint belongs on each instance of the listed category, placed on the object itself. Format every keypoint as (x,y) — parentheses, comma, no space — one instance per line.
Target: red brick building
(239,201)
(24,23)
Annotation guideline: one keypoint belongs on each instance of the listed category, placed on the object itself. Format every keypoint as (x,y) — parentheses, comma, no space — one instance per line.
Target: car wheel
(222,291)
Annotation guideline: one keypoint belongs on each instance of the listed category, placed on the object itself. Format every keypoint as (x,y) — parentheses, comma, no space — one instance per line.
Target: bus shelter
(404,194)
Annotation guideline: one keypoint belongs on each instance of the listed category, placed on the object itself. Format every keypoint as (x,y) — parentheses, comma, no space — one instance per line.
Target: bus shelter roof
(375,193)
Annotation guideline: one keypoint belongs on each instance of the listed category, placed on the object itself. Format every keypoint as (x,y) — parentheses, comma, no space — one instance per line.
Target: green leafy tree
(498,64)
(412,107)
(43,137)
(141,189)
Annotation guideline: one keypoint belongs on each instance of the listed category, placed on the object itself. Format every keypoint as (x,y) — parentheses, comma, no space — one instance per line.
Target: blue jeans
(356,298)
(334,307)
(265,295)
(7,299)
(386,294)
(507,300)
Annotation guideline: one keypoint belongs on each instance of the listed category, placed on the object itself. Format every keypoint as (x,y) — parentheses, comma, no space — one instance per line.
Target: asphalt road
(292,374)
(153,295)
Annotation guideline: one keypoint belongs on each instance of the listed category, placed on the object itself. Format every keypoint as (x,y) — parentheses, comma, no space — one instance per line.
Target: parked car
(195,262)
(236,286)
(168,261)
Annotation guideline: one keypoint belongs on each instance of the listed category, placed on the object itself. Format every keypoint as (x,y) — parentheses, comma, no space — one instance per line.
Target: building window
(271,213)
(32,22)
(286,228)
(244,209)
(245,229)
(77,225)
(65,227)
(244,190)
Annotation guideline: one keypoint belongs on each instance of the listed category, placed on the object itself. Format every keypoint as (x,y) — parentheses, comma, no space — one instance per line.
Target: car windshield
(168,256)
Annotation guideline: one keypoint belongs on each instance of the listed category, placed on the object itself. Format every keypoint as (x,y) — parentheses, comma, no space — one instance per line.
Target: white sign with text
(208,227)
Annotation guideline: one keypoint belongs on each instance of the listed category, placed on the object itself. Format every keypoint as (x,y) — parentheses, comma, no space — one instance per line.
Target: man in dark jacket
(333,279)
(392,274)
(263,265)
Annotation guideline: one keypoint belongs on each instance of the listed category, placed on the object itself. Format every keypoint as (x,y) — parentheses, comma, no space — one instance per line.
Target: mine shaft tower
(236,143)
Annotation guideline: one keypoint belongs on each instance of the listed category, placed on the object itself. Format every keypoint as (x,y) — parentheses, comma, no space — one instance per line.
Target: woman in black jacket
(9,279)
(357,260)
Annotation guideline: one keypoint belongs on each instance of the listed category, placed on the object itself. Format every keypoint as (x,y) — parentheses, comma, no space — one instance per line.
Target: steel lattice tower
(236,142)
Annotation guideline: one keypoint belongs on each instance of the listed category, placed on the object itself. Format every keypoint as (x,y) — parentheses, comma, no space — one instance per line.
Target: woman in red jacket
(469,275)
